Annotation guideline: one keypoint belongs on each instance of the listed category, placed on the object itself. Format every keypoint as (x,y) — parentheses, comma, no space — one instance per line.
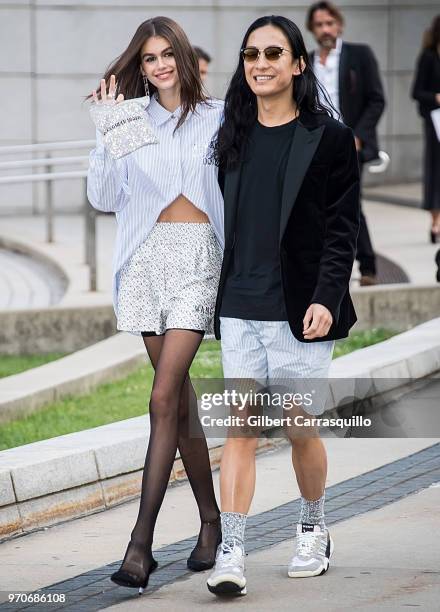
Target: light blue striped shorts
(267,351)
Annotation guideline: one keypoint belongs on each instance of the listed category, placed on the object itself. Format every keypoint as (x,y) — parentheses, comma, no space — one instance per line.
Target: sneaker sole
(227,588)
(227,585)
(318,572)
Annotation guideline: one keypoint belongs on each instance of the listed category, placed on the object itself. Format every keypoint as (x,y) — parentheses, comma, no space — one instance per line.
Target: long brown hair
(126,67)
(431,38)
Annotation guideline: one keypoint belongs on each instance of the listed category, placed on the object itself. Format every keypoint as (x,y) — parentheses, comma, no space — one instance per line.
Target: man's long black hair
(241,103)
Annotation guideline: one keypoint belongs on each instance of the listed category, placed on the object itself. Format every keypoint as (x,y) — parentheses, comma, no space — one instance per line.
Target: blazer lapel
(304,145)
(343,77)
(232,182)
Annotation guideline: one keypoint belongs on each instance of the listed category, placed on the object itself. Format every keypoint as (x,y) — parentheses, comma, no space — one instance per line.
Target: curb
(398,306)
(384,198)
(101,467)
(84,474)
(65,328)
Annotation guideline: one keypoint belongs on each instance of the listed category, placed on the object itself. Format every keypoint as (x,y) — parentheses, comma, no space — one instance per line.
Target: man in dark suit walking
(350,75)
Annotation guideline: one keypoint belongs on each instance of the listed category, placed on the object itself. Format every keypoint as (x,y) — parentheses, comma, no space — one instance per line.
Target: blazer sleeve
(107,179)
(421,91)
(375,98)
(342,226)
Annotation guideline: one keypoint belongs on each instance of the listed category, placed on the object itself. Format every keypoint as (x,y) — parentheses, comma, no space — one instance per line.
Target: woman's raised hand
(107,98)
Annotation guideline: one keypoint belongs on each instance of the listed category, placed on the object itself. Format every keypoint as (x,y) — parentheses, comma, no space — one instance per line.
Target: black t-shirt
(253,284)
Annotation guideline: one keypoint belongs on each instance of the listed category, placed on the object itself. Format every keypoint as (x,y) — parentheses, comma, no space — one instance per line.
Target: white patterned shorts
(171,280)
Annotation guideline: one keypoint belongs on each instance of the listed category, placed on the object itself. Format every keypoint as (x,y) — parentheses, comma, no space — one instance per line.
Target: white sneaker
(227,577)
(314,547)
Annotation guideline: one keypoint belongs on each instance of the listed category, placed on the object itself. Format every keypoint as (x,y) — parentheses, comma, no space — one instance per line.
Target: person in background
(204,61)
(350,75)
(426,90)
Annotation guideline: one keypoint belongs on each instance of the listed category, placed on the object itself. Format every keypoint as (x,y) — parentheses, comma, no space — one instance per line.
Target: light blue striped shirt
(138,186)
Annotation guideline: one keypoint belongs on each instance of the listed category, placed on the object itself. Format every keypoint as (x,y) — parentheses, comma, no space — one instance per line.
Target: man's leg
(309,460)
(365,253)
(314,545)
(237,474)
(243,358)
(304,366)
(364,250)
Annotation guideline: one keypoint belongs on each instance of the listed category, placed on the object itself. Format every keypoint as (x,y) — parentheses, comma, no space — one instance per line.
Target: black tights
(172,398)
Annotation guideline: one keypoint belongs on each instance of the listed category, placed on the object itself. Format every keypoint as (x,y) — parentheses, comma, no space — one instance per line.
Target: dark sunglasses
(272,54)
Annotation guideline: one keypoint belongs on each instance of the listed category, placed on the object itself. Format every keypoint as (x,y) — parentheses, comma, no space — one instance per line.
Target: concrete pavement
(371,569)
(406,194)
(68,251)
(24,281)
(395,546)
(401,234)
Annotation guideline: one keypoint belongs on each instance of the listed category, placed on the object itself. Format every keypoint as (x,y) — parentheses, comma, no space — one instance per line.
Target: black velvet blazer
(318,226)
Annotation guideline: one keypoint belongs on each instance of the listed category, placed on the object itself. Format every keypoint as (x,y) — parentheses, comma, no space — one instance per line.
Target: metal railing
(48,177)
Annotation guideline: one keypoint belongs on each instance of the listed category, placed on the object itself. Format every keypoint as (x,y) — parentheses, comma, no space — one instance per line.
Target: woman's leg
(195,457)
(177,353)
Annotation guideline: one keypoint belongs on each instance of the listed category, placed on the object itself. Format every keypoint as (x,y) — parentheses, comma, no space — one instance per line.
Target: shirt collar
(160,114)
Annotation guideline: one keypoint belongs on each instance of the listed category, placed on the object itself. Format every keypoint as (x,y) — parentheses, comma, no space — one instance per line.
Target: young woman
(426,90)
(169,210)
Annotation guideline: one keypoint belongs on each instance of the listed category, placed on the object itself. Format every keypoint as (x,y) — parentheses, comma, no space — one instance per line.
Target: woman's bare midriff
(181,210)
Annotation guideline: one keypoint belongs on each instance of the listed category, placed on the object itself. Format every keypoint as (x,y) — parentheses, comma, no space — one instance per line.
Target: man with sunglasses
(290,179)
(350,76)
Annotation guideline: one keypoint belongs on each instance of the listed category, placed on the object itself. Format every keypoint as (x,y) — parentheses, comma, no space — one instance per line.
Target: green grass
(129,397)
(360,340)
(13,364)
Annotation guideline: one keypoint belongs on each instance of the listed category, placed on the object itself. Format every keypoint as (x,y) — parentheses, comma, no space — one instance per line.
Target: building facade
(54,52)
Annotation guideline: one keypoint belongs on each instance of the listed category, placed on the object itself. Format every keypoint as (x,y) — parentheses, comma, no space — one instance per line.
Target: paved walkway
(382,506)
(399,234)
(25,282)
(68,251)
(407,194)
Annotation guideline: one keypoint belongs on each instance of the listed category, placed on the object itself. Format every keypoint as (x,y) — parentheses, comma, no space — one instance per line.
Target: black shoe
(433,237)
(437,261)
(130,579)
(208,561)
